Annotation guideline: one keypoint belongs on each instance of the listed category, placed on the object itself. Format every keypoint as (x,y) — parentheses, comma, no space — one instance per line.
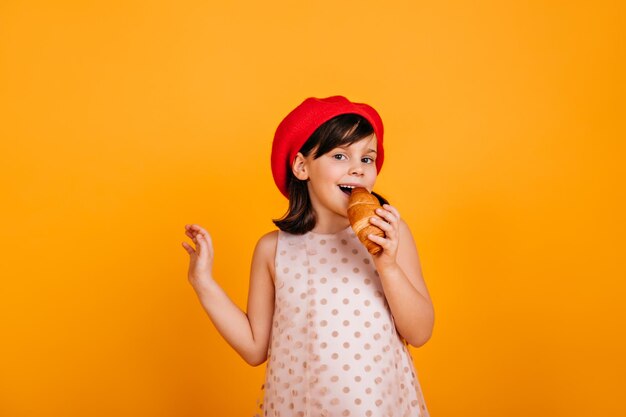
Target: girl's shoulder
(265,250)
(268,240)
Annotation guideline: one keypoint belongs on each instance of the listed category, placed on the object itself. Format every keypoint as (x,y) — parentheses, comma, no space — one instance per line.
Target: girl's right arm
(247,333)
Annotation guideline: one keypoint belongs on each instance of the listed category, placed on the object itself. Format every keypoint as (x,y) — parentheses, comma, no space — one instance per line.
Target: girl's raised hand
(391,226)
(200,272)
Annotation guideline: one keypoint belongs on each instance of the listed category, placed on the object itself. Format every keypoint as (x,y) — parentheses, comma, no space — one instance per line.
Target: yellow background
(120,121)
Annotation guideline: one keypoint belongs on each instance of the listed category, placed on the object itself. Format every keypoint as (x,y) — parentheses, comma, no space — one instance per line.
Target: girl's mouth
(347,189)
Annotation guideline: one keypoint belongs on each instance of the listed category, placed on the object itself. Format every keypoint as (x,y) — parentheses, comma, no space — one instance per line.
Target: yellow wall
(120,121)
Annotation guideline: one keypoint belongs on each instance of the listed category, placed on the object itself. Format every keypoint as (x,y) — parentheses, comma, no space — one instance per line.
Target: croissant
(361,206)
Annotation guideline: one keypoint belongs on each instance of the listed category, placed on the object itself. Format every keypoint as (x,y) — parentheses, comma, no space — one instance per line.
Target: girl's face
(332,175)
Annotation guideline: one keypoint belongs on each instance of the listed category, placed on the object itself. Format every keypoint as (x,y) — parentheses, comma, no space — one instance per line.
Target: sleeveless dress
(334,349)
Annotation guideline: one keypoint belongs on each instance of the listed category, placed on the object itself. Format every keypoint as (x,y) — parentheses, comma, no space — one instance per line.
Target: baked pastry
(361,206)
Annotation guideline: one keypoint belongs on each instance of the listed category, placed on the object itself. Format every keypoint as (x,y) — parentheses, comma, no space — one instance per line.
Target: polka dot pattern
(334,350)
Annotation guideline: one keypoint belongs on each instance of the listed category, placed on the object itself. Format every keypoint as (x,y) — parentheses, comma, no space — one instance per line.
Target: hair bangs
(343,130)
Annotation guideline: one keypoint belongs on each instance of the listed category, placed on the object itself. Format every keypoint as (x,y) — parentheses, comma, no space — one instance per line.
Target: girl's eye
(366,159)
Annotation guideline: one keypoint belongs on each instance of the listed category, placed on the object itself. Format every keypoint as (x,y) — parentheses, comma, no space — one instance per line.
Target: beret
(296,128)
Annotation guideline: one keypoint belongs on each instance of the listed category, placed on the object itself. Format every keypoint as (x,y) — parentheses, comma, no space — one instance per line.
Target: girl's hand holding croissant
(391,226)
(200,272)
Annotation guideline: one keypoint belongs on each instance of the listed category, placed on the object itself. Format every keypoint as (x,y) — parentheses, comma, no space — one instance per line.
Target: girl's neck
(325,225)
(327,221)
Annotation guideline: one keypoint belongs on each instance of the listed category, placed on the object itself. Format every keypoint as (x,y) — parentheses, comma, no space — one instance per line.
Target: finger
(193,233)
(190,231)
(383,225)
(199,229)
(393,210)
(201,243)
(189,249)
(387,215)
(379,240)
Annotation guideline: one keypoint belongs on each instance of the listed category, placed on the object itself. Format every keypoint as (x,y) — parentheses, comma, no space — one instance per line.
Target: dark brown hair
(341,130)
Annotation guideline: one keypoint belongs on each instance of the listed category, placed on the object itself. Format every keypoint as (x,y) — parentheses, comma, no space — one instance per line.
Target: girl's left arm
(400,272)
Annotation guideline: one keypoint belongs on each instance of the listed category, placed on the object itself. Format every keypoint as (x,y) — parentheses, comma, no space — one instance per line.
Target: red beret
(301,122)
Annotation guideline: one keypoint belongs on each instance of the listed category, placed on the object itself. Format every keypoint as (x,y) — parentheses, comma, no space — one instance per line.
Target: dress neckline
(327,235)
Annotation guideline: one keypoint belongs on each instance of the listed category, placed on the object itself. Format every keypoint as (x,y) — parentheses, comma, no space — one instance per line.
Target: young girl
(333,322)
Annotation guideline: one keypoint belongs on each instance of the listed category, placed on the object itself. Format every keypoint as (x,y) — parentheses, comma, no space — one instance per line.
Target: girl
(332,321)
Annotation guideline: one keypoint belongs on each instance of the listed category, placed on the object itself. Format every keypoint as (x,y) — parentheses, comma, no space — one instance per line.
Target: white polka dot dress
(334,349)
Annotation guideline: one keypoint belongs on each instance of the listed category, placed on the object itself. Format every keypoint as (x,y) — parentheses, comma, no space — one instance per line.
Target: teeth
(347,186)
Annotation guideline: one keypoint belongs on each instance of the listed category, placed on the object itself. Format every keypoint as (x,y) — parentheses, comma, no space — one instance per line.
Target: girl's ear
(299,167)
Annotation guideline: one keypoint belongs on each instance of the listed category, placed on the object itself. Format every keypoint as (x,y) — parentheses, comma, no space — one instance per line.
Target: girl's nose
(356,170)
